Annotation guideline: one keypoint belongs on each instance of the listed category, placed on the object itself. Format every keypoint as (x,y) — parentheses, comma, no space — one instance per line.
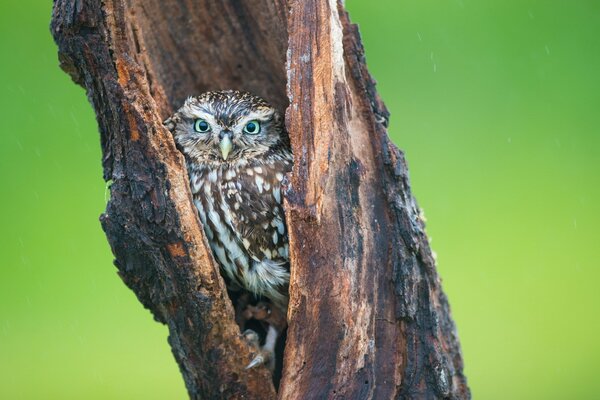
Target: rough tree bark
(367,316)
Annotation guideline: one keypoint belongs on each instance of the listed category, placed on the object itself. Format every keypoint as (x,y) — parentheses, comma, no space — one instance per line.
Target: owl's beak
(225,145)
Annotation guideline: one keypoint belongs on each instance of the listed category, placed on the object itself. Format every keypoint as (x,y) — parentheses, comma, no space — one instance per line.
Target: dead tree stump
(367,316)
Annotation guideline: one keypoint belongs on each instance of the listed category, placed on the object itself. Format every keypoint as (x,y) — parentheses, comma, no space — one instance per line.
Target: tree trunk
(367,316)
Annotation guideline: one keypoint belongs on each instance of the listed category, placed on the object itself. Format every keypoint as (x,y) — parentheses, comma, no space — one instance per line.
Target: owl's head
(226,126)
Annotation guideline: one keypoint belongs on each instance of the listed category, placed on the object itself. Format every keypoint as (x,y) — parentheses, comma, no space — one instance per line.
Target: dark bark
(367,316)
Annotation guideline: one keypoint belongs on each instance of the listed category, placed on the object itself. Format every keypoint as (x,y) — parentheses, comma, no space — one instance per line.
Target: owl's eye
(200,125)
(252,127)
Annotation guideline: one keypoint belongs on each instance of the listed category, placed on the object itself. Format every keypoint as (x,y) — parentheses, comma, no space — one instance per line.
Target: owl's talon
(264,357)
(258,360)
(252,338)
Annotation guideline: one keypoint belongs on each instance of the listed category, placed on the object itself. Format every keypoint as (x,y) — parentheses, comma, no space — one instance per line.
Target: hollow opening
(190,47)
(196,46)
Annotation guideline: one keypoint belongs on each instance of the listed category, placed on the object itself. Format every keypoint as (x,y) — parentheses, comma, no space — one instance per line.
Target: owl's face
(226,126)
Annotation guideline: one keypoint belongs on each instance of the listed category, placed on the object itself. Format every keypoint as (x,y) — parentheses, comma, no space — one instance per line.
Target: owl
(237,153)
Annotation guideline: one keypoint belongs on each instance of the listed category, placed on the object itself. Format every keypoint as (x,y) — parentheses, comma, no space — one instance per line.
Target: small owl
(237,154)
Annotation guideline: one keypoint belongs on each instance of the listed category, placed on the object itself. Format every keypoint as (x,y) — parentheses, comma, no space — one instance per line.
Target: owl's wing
(257,212)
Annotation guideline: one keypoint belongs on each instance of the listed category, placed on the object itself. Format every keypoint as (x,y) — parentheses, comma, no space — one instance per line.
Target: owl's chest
(227,198)
(241,212)
(215,193)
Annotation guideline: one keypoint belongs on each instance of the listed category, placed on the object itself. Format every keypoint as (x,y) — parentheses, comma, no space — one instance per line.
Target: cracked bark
(367,316)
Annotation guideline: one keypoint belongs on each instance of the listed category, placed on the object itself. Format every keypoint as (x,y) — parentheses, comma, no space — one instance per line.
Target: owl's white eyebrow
(259,115)
(240,123)
(195,112)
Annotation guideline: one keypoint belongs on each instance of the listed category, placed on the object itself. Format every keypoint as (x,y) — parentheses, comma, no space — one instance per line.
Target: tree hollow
(367,316)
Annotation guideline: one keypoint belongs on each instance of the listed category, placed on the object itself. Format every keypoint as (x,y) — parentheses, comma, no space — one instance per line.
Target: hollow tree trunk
(367,316)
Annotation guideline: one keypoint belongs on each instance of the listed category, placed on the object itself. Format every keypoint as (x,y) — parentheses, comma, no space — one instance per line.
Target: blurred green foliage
(496,105)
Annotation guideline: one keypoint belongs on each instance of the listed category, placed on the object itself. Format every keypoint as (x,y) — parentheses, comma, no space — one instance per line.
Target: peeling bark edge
(408,347)
(363,275)
(422,307)
(153,230)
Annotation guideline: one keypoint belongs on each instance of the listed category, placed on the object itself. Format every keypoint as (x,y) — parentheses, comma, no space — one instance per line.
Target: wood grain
(367,317)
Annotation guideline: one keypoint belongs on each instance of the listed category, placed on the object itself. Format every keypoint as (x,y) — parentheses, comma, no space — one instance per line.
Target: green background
(496,104)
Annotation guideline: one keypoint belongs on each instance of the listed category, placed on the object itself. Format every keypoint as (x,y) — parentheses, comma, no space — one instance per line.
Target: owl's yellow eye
(252,127)
(200,125)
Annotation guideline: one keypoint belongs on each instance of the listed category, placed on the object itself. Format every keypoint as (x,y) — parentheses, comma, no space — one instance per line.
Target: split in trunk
(367,316)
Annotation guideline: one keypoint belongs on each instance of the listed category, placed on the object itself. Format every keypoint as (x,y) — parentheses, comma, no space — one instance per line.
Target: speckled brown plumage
(235,177)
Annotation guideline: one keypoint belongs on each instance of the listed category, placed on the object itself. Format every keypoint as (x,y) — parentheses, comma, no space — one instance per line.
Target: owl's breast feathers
(240,205)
